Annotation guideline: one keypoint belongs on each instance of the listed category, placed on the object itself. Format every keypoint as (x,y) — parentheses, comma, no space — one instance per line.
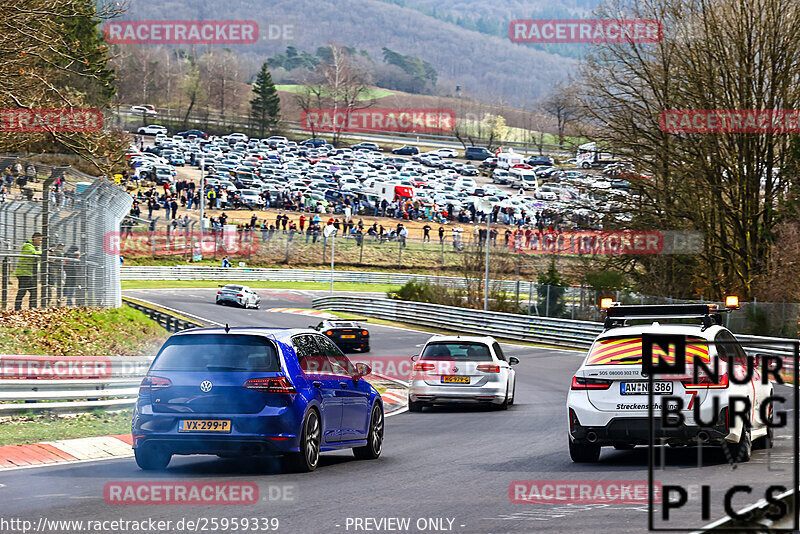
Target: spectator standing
(426,233)
(26,270)
(403,234)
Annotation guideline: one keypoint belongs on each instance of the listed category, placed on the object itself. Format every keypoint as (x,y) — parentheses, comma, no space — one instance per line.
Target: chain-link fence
(54,229)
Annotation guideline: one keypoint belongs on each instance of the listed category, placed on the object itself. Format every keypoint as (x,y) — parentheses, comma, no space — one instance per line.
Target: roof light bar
(606,303)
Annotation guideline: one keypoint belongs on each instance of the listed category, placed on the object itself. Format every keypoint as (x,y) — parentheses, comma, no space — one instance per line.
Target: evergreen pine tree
(265,106)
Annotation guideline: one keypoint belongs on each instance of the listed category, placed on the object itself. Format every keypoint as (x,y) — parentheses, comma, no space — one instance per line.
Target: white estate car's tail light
(489,368)
(579,382)
(706,383)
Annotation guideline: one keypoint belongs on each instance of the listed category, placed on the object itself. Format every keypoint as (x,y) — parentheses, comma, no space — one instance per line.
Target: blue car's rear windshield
(217,352)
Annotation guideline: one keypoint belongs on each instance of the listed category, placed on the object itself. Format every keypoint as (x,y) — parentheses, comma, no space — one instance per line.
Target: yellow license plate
(455,379)
(348,337)
(204,425)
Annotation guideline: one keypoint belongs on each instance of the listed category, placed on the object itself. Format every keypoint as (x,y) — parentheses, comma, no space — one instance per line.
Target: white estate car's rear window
(628,350)
(456,351)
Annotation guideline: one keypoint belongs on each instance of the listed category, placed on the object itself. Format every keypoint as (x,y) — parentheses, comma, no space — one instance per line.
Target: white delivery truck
(393,190)
(588,156)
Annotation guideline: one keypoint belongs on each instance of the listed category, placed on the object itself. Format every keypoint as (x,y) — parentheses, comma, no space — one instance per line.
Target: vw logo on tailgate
(205,386)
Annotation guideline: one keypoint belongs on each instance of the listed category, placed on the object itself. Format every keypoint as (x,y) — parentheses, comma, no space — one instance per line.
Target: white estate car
(608,401)
(152,129)
(144,110)
(236,295)
(454,369)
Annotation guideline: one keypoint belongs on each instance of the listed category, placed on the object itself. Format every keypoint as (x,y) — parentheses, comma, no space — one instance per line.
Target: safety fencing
(253,274)
(73,212)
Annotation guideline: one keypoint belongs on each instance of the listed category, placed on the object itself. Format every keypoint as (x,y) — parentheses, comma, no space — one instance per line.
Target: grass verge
(79,331)
(22,429)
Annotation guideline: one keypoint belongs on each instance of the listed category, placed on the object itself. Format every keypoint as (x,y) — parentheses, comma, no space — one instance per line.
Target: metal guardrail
(551,331)
(168,321)
(117,388)
(560,332)
(246,274)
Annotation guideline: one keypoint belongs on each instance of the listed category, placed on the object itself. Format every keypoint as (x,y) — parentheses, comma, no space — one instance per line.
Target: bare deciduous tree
(715,54)
(44,64)
(562,104)
(341,83)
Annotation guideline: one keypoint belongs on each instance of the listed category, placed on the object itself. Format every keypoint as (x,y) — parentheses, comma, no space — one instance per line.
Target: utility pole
(486,283)
(202,192)
(330,232)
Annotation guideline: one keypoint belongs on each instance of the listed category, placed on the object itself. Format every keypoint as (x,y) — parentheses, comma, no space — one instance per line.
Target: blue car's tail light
(154,383)
(278,384)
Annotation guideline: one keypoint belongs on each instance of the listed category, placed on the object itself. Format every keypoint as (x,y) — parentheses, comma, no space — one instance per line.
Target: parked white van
(524,178)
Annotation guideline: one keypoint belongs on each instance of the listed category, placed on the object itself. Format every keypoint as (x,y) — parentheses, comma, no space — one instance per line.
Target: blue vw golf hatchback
(255,391)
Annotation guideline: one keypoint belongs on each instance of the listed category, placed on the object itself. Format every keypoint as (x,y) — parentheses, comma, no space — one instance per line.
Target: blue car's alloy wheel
(375,438)
(308,457)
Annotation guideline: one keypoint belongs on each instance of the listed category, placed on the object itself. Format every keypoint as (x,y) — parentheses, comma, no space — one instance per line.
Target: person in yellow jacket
(26,270)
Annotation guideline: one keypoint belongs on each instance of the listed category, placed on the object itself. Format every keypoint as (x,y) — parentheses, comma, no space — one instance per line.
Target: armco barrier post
(547,303)
(530,297)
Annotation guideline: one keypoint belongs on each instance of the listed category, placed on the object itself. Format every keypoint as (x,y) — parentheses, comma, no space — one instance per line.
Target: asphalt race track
(454,463)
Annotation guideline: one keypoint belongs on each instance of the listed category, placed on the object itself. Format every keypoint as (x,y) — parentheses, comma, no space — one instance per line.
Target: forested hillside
(486,67)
